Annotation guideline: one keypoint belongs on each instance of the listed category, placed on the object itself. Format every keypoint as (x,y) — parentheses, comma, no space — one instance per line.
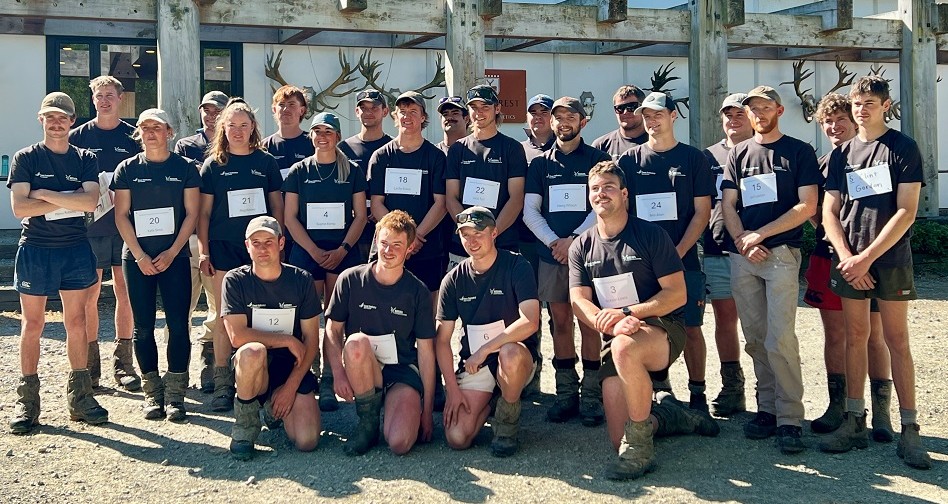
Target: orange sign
(511,87)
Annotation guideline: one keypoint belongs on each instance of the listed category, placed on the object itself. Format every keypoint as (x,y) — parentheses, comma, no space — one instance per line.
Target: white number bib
(480,335)
(246,202)
(325,216)
(568,198)
(869,181)
(154,222)
(63,213)
(616,291)
(274,320)
(384,347)
(481,192)
(759,189)
(402,181)
(656,207)
(106,197)
(717,184)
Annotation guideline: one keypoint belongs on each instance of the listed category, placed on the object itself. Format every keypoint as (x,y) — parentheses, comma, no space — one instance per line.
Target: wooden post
(707,70)
(464,46)
(179,64)
(917,74)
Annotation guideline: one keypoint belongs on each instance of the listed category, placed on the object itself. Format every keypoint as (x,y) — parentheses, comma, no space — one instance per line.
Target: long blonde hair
(219,146)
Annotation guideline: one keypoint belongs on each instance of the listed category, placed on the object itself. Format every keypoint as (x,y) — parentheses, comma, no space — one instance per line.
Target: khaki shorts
(553,284)
(675,331)
(483,380)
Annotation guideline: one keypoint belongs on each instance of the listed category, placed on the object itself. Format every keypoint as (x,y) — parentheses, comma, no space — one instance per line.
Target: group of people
(395,240)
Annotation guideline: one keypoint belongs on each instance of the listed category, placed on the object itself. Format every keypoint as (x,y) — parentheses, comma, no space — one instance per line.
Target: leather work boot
(636,454)
(95,363)
(366,435)
(27,408)
(566,404)
(881,394)
(154,388)
(910,448)
(591,413)
(176,384)
(207,367)
(851,434)
(82,405)
(674,418)
(731,398)
(224,389)
(246,429)
(327,396)
(506,426)
(833,418)
(123,369)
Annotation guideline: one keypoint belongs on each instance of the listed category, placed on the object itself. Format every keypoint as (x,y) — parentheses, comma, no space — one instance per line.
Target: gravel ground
(135,460)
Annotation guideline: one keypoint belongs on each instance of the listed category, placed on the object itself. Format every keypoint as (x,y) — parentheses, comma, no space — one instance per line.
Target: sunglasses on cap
(625,108)
(485,93)
(451,99)
(369,95)
(479,219)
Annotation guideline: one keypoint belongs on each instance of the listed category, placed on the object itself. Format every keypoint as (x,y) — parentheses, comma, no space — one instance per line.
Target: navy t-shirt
(360,152)
(288,151)
(193,147)
(316,183)
(245,173)
(716,239)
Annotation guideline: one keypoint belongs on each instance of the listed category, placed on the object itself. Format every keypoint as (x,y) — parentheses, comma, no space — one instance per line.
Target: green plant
(930,237)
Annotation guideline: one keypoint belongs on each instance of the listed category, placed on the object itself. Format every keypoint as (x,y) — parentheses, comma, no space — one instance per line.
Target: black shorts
(429,271)
(675,331)
(107,250)
(40,271)
(402,373)
(227,255)
(279,367)
(301,259)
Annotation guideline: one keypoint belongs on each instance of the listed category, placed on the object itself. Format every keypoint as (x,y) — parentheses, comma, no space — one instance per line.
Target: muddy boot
(327,396)
(590,399)
(674,418)
(175,386)
(246,428)
(532,389)
(506,425)
(698,400)
(224,389)
(881,393)
(731,399)
(851,434)
(154,389)
(82,405)
(123,369)
(833,418)
(910,448)
(207,367)
(566,404)
(26,410)
(636,454)
(95,363)
(366,436)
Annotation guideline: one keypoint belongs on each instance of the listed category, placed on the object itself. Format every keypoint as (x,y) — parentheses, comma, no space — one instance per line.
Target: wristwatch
(573,235)
(626,311)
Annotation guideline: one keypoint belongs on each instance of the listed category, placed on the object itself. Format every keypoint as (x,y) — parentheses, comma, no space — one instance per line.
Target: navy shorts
(107,250)
(402,373)
(279,367)
(226,255)
(301,259)
(45,271)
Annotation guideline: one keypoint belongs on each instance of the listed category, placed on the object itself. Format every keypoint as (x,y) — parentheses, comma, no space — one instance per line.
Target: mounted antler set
(663,76)
(807,101)
(367,68)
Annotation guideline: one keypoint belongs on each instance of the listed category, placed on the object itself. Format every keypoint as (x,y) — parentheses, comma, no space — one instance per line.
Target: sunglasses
(450,99)
(625,108)
(483,93)
(369,95)
(478,218)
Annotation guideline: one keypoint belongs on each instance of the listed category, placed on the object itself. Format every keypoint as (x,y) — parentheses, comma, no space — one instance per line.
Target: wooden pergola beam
(835,14)
(489,9)
(179,48)
(608,11)
(293,37)
(707,71)
(512,45)
(402,41)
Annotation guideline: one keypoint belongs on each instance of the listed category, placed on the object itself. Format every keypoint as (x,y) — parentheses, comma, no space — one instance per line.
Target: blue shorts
(694,308)
(45,271)
(717,270)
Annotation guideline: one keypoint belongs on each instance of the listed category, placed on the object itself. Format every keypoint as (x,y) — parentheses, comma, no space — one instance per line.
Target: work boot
(851,434)
(327,395)
(224,389)
(833,418)
(566,404)
(532,388)
(246,428)
(506,425)
(674,418)
(82,405)
(123,369)
(95,363)
(27,408)
(881,393)
(590,399)
(175,386)
(154,389)
(762,426)
(662,385)
(366,436)
(636,454)
(207,367)
(790,439)
(910,448)
(731,399)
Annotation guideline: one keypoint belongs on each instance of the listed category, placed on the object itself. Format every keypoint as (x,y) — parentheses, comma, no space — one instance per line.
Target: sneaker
(789,439)
(762,426)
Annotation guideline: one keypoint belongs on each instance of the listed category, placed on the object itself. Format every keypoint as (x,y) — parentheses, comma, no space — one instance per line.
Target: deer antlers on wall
(367,68)
(663,76)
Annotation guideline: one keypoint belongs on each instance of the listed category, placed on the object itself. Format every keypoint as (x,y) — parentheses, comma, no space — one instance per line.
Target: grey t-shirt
(614,144)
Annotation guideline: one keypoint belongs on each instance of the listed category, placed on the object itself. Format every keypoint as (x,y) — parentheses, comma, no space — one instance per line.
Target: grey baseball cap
(656,100)
(412,97)
(765,92)
(571,104)
(153,114)
(216,98)
(477,217)
(57,102)
(263,223)
(733,100)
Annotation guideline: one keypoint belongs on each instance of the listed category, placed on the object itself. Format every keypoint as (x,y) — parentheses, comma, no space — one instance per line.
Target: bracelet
(203,257)
(140,258)
(346,246)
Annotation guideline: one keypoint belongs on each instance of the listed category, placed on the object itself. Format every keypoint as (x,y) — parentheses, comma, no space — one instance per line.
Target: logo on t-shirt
(553,175)
(257,173)
(466,161)
(278,157)
(299,156)
(643,172)
(467,299)
(287,305)
(580,174)
(629,258)
(228,173)
(675,171)
(44,175)
(592,263)
(141,180)
(495,161)
(496,292)
(172,179)
(121,150)
(367,306)
(72,178)
(396,311)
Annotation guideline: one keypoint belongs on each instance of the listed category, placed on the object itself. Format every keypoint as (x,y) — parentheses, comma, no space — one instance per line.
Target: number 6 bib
(480,335)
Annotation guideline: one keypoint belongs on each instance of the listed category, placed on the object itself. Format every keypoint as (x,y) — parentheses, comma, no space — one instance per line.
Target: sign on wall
(511,87)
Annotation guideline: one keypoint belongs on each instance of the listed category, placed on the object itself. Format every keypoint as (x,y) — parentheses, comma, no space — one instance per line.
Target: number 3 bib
(616,291)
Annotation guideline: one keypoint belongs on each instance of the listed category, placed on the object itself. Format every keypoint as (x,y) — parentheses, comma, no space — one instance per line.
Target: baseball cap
(263,223)
(413,97)
(216,98)
(542,100)
(476,217)
(766,92)
(327,118)
(733,100)
(153,114)
(483,93)
(568,102)
(57,102)
(370,94)
(656,100)
(451,102)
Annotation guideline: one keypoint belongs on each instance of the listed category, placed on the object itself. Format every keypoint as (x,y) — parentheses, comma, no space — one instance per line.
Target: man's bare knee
(251,356)
(357,351)
(457,438)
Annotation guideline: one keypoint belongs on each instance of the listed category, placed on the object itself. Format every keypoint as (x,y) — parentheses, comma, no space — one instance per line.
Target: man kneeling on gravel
(381,342)
(271,314)
(626,281)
